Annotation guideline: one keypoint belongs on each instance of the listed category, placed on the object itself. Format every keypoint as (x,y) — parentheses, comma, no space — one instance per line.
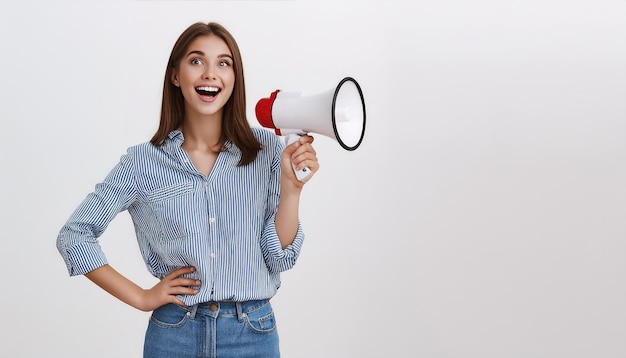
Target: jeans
(213,329)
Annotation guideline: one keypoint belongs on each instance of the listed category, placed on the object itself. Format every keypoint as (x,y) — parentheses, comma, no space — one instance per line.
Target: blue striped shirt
(222,224)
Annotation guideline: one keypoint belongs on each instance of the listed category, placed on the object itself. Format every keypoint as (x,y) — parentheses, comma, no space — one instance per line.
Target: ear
(174,78)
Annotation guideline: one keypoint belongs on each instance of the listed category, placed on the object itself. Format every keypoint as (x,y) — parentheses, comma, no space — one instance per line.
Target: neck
(203,132)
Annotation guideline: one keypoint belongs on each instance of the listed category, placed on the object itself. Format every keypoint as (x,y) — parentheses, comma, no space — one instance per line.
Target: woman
(215,208)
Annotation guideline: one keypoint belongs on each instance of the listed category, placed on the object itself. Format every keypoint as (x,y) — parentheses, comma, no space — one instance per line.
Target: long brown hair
(235,126)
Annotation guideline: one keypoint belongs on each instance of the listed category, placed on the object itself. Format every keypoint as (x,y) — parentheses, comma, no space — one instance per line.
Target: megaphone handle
(303,173)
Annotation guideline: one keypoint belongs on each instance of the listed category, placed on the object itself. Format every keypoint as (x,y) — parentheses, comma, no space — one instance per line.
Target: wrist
(139,300)
(289,189)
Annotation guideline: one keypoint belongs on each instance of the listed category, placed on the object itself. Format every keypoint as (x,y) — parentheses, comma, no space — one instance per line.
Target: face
(205,76)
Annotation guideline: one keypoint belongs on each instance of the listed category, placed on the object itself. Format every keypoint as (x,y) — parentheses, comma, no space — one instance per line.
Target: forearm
(117,285)
(286,220)
(296,156)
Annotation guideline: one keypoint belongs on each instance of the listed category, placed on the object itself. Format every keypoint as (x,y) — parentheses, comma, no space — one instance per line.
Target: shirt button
(212,220)
(212,254)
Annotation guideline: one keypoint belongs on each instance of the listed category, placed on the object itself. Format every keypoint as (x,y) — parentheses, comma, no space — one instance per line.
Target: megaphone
(338,113)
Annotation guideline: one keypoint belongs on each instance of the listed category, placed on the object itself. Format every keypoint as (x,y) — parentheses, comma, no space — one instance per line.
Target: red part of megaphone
(263,111)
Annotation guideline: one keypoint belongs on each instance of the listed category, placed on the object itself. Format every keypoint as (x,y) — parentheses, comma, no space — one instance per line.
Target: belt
(227,308)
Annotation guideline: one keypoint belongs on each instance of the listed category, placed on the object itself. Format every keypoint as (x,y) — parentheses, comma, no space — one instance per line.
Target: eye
(224,63)
(196,61)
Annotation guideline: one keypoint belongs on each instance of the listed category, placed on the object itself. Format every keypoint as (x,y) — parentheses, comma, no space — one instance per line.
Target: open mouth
(208,91)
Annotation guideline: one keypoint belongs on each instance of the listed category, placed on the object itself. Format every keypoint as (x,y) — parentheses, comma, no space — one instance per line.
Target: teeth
(208,89)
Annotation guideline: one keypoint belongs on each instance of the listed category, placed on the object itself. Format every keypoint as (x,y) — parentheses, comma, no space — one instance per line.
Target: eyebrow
(201,53)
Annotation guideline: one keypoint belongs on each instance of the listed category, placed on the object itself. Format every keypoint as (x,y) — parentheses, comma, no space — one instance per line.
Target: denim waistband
(226,308)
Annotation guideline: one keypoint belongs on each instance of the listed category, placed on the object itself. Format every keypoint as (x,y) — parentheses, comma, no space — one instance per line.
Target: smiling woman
(215,206)
(206,78)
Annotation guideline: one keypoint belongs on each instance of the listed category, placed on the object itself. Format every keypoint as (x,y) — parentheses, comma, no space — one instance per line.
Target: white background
(483,215)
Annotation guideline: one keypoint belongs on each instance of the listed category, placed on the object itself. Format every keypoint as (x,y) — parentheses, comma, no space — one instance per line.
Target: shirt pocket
(173,206)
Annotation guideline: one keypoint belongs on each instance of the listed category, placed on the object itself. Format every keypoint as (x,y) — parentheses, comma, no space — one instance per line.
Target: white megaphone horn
(338,113)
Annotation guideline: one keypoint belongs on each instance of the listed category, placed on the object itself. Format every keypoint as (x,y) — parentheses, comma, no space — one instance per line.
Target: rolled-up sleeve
(77,241)
(277,258)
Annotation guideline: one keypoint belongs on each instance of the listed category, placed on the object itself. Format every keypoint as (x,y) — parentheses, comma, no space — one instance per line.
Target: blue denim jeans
(213,329)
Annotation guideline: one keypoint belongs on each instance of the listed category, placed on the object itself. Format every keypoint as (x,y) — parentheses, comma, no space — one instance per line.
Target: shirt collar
(176,138)
(173,142)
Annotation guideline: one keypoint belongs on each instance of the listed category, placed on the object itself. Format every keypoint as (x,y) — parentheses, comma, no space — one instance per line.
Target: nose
(208,74)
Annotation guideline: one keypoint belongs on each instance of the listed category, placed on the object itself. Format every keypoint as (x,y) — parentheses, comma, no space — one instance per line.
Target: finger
(300,159)
(178,302)
(306,163)
(181,271)
(185,282)
(181,290)
(305,148)
(291,149)
(303,153)
(306,139)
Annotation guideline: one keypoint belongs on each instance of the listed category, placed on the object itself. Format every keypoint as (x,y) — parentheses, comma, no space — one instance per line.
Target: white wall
(483,216)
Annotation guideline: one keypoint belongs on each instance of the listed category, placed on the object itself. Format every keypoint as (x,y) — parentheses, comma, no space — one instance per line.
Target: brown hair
(235,126)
